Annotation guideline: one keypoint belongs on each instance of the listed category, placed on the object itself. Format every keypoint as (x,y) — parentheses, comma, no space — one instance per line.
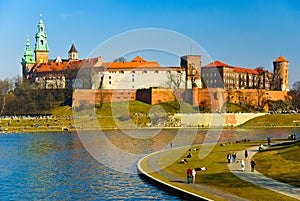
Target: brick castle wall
(210,97)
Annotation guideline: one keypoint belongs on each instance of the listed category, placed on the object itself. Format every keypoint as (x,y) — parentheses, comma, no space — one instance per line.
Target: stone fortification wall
(216,97)
(90,96)
(212,97)
(215,119)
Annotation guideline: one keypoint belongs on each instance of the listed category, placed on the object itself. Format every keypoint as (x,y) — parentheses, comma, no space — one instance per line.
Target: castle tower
(73,54)
(192,65)
(280,75)
(27,59)
(41,45)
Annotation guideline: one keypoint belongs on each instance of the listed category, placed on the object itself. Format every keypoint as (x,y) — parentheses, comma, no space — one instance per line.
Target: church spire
(28,55)
(41,45)
(27,59)
(73,54)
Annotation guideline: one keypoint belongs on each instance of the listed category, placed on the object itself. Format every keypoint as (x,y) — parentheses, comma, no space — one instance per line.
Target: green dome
(28,54)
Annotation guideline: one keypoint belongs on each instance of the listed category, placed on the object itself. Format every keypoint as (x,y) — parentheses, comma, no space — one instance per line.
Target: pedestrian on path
(246,154)
(269,141)
(243,165)
(189,174)
(194,175)
(252,165)
(233,157)
(228,157)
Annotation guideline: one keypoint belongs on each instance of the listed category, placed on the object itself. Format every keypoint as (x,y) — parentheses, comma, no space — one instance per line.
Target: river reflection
(55,166)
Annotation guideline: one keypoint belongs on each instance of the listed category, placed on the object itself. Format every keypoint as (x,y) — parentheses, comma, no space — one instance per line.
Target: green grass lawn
(273,120)
(281,163)
(218,175)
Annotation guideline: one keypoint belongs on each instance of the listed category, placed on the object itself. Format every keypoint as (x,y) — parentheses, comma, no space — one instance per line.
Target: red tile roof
(280,59)
(235,68)
(216,64)
(137,62)
(244,70)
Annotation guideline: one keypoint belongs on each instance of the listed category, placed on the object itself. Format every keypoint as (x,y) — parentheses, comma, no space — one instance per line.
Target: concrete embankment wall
(168,187)
(216,119)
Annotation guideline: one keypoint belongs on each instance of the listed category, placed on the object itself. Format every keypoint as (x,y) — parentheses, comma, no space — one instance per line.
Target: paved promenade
(259,179)
(253,177)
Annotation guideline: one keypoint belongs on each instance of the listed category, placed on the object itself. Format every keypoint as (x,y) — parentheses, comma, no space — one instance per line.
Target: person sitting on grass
(189,155)
(200,168)
(183,161)
(261,147)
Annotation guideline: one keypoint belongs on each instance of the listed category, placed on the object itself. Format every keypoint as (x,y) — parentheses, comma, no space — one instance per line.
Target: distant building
(133,79)
(58,73)
(220,75)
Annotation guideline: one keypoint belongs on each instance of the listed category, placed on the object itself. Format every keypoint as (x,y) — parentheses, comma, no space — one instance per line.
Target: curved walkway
(152,164)
(259,179)
(252,177)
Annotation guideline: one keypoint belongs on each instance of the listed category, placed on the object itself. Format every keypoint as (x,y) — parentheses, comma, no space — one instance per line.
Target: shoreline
(18,130)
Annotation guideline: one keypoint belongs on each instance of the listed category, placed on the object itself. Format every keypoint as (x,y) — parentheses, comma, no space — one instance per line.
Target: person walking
(228,157)
(252,165)
(194,175)
(233,157)
(189,174)
(246,154)
(269,141)
(243,165)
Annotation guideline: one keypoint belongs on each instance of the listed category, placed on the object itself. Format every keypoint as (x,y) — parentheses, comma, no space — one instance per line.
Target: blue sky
(240,33)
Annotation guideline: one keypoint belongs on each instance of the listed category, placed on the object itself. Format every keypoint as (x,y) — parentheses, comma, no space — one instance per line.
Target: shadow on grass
(222,180)
(178,181)
(282,146)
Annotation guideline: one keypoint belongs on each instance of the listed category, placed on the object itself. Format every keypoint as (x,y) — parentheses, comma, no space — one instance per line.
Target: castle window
(133,71)
(144,71)
(109,77)
(132,80)
(215,74)
(42,42)
(156,71)
(109,82)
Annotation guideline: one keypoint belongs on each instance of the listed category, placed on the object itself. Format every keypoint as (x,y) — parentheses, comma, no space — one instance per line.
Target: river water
(56,166)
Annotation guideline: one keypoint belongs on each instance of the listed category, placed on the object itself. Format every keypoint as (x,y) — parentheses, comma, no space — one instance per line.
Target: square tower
(192,65)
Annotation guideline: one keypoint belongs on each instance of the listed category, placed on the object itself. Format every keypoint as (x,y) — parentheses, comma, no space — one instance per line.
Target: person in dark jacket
(252,165)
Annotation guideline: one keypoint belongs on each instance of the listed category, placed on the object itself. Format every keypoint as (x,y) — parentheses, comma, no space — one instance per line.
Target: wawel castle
(138,79)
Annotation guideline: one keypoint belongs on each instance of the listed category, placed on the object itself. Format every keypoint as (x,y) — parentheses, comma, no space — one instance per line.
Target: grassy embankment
(281,163)
(129,115)
(274,120)
(109,115)
(218,175)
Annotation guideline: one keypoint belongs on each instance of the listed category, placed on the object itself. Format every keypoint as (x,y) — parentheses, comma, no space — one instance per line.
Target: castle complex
(141,79)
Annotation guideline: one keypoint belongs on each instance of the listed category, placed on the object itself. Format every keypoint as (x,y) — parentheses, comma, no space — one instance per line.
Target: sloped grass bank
(218,175)
(281,163)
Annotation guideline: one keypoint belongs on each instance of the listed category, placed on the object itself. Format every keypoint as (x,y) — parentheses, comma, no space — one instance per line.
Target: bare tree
(295,93)
(260,87)
(120,59)
(174,80)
